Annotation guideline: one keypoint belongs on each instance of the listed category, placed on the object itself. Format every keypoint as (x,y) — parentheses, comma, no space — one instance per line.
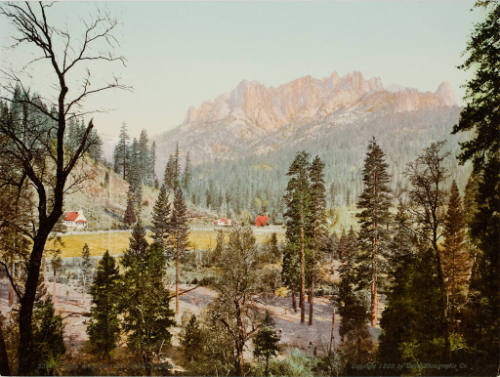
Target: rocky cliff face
(253,118)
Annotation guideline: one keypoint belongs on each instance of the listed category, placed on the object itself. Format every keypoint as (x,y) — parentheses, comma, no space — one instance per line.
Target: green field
(117,242)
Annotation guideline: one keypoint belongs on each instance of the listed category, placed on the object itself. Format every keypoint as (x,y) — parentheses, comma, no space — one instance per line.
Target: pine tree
(192,339)
(317,221)
(469,203)
(266,342)
(121,154)
(134,175)
(481,116)
(161,217)
(138,243)
(274,249)
(129,217)
(290,270)
(342,247)
(144,159)
(482,91)
(298,201)
(403,241)
(176,168)
(481,320)
(153,164)
(179,233)
(104,326)
(186,177)
(85,267)
(374,217)
(169,173)
(348,300)
(399,305)
(138,200)
(412,322)
(48,341)
(219,247)
(352,305)
(147,316)
(95,144)
(455,257)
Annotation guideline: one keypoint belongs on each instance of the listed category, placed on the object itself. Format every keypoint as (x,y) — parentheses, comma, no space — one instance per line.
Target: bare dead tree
(427,175)
(36,145)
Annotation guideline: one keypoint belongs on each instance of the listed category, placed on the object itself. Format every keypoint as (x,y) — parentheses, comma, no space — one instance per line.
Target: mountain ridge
(308,97)
(255,119)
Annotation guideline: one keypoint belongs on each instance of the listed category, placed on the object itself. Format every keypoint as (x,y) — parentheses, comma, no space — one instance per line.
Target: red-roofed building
(75,220)
(223,222)
(262,220)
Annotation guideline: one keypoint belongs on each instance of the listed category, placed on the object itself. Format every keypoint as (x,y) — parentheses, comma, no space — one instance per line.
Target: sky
(181,54)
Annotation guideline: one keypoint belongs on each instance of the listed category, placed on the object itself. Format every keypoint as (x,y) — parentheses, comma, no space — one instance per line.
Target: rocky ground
(73,307)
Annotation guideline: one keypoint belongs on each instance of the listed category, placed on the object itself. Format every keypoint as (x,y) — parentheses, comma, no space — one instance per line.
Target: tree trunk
(11,295)
(311,291)
(177,282)
(28,300)
(441,278)
(83,290)
(332,334)
(241,363)
(11,287)
(302,273)
(373,289)
(44,261)
(54,287)
(294,301)
(4,360)
(240,339)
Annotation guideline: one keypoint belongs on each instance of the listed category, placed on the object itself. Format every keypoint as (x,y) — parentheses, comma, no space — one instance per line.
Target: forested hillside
(257,182)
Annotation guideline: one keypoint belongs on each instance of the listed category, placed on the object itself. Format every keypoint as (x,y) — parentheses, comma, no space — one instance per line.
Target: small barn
(75,220)
(262,220)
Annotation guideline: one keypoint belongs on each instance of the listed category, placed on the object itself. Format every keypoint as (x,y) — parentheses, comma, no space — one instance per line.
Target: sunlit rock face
(241,120)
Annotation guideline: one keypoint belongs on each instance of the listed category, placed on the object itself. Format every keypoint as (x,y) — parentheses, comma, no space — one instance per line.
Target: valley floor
(73,307)
(116,241)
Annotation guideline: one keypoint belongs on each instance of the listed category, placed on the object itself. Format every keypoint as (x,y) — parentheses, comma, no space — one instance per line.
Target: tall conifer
(374,217)
(186,177)
(456,258)
(161,217)
(298,202)
(168,176)
(317,223)
(104,327)
(178,239)
(121,155)
(480,118)
(129,217)
(147,317)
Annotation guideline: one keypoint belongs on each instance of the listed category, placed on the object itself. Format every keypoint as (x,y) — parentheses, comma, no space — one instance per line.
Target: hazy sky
(183,53)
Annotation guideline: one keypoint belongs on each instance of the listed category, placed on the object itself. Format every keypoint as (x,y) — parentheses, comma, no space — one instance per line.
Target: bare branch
(11,279)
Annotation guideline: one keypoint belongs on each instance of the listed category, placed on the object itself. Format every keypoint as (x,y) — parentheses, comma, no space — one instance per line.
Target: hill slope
(102,196)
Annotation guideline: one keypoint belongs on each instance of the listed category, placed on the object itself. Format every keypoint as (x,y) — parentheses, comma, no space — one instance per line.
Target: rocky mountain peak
(254,118)
(445,92)
(271,108)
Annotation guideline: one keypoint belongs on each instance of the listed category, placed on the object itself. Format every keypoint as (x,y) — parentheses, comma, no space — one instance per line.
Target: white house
(75,220)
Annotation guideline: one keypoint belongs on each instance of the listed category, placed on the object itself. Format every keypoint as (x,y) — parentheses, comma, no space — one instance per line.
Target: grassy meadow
(117,241)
